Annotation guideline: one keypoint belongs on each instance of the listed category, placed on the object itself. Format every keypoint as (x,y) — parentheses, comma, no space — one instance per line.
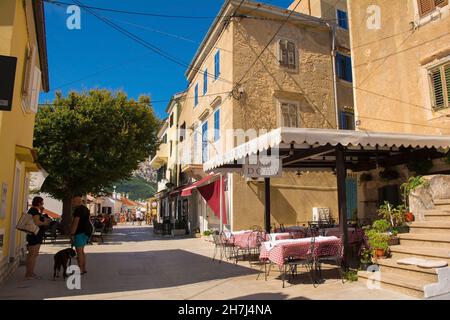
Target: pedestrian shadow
(115,272)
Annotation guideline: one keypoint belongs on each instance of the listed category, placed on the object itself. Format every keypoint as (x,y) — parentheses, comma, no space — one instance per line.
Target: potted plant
(407,188)
(378,242)
(365,259)
(197,233)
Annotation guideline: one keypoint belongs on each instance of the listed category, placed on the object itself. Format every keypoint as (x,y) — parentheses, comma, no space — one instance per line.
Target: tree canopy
(90,139)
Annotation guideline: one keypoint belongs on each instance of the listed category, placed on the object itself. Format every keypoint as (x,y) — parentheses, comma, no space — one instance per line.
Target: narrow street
(133,263)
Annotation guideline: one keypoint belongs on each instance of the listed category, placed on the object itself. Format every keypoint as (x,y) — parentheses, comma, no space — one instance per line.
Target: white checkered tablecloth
(278,251)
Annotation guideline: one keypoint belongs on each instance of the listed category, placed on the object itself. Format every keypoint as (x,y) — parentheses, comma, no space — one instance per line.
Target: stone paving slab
(133,263)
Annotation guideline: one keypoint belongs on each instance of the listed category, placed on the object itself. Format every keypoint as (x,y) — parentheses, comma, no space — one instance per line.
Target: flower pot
(380,253)
(393,241)
(198,235)
(409,217)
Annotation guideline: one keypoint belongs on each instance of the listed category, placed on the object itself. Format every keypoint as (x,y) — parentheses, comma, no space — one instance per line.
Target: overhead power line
(147,44)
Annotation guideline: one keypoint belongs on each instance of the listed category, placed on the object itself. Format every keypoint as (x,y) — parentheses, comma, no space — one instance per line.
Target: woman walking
(34,241)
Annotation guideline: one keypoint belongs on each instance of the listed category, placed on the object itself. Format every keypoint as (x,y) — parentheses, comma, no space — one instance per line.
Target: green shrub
(381,225)
(377,240)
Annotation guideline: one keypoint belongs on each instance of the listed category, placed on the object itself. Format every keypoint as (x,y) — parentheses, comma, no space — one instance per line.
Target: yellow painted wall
(390,67)
(292,199)
(16,127)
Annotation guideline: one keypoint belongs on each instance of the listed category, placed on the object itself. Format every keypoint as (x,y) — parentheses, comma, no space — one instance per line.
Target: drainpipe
(333,58)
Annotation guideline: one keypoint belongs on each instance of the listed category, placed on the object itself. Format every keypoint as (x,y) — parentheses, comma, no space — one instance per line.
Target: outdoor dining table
(279,250)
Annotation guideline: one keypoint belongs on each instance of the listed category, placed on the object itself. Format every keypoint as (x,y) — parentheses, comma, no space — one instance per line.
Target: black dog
(63,258)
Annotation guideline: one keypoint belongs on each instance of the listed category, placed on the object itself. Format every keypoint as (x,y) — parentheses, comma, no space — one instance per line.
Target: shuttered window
(342,19)
(196,95)
(205,81)
(287,54)
(217,65)
(216,125)
(440,83)
(344,67)
(290,115)
(427,6)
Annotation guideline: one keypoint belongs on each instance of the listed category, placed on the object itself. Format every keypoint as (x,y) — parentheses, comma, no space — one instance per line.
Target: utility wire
(148,45)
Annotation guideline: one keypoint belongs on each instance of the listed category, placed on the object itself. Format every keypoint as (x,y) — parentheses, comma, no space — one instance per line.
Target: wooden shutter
(291,55)
(440,3)
(426,6)
(438,89)
(447,82)
(285,115)
(283,53)
(34,96)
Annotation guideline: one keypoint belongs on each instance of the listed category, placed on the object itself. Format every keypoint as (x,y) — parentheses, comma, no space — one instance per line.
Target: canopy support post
(267,204)
(220,203)
(341,175)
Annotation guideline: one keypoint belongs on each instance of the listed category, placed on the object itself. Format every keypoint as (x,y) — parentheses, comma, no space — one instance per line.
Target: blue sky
(99,56)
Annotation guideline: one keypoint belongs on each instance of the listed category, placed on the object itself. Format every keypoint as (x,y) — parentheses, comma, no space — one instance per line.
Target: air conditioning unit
(259,179)
(321,214)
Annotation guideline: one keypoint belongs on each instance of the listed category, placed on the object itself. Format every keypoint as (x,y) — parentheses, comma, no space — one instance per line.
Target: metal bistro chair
(304,258)
(255,241)
(329,252)
(227,245)
(218,245)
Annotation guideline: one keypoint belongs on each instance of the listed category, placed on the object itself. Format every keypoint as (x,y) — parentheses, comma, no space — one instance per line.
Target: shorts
(33,239)
(80,240)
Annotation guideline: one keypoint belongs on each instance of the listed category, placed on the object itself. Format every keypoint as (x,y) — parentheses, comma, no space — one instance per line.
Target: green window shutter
(447,82)
(438,89)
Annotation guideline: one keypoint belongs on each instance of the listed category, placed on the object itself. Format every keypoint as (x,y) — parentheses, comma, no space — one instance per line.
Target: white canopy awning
(305,138)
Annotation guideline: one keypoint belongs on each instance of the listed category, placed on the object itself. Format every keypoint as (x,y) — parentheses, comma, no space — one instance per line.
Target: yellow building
(401,55)
(232,91)
(22,34)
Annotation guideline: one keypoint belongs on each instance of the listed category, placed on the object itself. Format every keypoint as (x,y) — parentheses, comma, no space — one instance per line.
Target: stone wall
(421,199)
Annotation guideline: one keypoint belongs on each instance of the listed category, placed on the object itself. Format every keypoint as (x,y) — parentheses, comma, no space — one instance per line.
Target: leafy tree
(136,187)
(88,140)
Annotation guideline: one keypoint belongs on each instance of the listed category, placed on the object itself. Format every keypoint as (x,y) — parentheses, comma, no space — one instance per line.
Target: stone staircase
(428,239)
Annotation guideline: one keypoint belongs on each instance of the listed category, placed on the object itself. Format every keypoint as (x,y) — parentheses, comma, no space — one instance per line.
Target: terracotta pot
(379,253)
(394,241)
(409,217)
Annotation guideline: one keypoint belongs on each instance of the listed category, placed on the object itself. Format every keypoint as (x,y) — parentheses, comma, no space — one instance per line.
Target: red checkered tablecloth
(299,248)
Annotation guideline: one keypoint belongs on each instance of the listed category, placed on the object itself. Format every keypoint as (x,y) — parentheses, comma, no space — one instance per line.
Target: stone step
(434,240)
(441,201)
(437,215)
(430,227)
(442,204)
(402,251)
(395,282)
(392,267)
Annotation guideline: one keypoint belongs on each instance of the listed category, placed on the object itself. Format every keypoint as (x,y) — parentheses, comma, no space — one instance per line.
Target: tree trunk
(66,219)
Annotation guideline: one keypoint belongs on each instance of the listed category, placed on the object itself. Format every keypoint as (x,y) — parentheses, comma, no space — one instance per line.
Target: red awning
(186,192)
(211,193)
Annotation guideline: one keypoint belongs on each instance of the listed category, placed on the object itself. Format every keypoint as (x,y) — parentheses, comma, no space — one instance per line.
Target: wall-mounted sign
(7,77)
(264,167)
